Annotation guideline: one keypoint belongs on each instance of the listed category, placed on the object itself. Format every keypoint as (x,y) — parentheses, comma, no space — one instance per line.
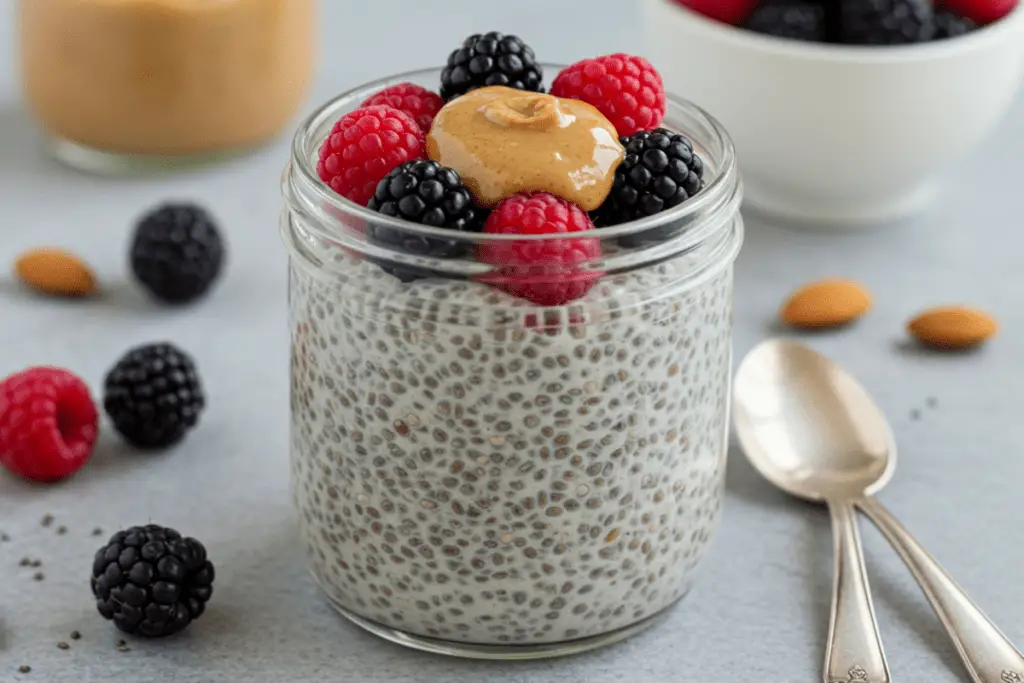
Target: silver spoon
(809,427)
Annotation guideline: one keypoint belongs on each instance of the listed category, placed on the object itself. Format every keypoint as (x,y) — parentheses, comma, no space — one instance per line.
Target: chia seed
(401,516)
(24,669)
(47,519)
(63,646)
(38,576)
(75,635)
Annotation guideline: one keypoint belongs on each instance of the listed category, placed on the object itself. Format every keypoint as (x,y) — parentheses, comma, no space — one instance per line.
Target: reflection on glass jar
(481,476)
(123,82)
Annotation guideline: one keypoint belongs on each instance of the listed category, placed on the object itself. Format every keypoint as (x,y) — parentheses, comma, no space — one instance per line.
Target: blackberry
(427,193)
(153,395)
(885,22)
(177,252)
(950,25)
(491,59)
(793,19)
(660,170)
(150,581)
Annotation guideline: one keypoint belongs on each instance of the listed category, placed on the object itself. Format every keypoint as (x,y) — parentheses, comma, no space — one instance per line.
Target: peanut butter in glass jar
(123,83)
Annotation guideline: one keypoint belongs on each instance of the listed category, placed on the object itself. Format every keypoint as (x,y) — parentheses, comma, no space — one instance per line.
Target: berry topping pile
(177,252)
(48,423)
(150,581)
(491,151)
(856,22)
(153,395)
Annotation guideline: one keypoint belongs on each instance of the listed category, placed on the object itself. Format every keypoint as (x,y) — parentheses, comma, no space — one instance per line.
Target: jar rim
(721,188)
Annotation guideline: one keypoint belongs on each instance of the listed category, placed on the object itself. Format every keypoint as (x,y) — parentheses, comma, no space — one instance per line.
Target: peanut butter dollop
(504,141)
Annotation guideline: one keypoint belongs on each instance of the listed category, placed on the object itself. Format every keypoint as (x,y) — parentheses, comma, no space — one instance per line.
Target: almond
(826,303)
(54,271)
(952,327)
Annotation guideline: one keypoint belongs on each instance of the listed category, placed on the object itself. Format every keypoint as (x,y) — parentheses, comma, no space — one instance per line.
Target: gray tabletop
(759,608)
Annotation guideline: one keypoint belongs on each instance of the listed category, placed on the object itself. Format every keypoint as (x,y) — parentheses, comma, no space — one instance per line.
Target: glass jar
(478,476)
(118,85)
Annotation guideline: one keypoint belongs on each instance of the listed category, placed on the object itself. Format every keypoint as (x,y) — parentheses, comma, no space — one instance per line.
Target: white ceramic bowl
(840,135)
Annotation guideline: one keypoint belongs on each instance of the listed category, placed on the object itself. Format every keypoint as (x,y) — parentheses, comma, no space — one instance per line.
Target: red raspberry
(364,146)
(981,12)
(626,89)
(545,271)
(48,423)
(416,101)
(733,12)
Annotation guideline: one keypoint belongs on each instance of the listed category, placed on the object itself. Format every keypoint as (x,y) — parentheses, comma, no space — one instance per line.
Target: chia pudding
(471,467)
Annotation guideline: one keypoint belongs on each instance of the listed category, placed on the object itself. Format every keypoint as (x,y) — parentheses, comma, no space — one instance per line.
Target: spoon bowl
(808,427)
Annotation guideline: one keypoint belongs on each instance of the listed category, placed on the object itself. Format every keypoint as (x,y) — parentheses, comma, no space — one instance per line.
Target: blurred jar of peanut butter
(122,84)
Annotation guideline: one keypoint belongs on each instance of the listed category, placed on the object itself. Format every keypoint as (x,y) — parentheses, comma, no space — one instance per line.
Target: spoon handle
(988,655)
(854,653)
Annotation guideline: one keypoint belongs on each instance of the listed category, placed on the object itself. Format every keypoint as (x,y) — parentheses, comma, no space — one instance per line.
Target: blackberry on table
(659,171)
(793,19)
(177,252)
(153,395)
(886,22)
(427,193)
(950,25)
(150,581)
(492,58)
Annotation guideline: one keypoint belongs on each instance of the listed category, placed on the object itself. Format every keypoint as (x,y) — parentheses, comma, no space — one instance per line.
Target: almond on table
(55,271)
(952,327)
(826,303)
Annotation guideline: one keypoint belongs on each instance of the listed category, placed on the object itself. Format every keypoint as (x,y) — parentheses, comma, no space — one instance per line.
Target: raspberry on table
(364,146)
(177,252)
(628,90)
(885,22)
(660,171)
(48,423)
(150,581)
(491,58)
(793,19)
(729,11)
(980,12)
(153,395)
(416,101)
(427,193)
(546,272)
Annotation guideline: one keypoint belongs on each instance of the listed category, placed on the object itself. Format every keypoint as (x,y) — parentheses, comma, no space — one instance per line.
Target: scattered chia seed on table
(38,576)
(97,531)
(63,646)
(61,530)
(4,537)
(915,415)
(24,669)
(75,635)
(25,562)
(47,519)
(36,563)
(932,402)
